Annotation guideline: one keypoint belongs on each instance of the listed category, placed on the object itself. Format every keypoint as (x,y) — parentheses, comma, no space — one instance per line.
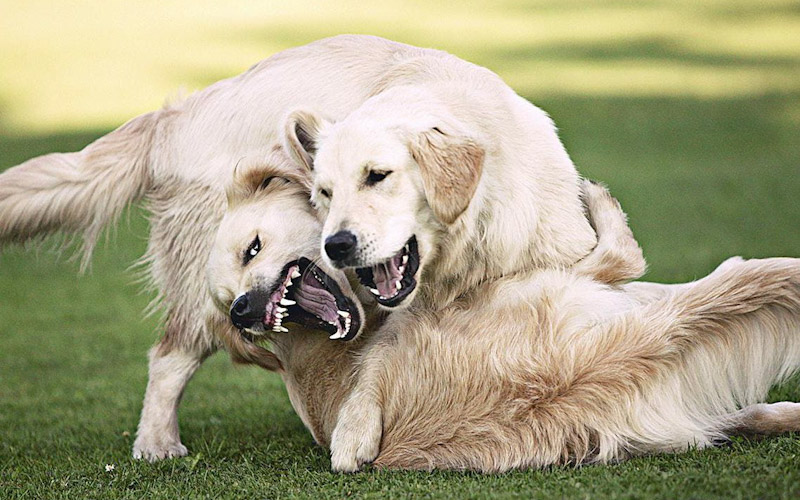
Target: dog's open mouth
(393,280)
(309,297)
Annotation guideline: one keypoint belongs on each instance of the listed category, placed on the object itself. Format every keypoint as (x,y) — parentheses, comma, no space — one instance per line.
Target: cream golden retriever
(452,196)
(552,366)
(176,161)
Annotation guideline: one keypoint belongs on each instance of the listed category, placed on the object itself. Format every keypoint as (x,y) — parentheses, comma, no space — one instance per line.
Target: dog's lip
(409,269)
(276,309)
(311,280)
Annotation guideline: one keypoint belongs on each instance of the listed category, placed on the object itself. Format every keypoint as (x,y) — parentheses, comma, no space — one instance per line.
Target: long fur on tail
(79,192)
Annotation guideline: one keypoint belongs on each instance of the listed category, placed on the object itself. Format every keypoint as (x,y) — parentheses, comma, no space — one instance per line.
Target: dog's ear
(256,173)
(451,167)
(301,132)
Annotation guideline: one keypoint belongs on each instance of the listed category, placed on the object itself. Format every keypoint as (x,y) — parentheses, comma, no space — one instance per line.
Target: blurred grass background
(688,109)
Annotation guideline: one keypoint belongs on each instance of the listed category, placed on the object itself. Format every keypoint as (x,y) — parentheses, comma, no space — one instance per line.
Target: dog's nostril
(240,306)
(341,245)
(239,309)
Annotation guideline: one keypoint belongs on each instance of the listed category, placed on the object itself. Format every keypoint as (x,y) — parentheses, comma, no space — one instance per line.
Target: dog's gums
(393,280)
(309,297)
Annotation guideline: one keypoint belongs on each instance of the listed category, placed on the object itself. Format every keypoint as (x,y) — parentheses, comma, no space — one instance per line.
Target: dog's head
(387,190)
(263,270)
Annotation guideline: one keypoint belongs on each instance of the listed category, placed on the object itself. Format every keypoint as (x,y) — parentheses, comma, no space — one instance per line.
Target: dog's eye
(324,193)
(252,250)
(269,180)
(375,176)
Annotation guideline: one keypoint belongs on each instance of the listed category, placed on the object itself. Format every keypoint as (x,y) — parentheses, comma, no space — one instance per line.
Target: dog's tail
(81,192)
(617,257)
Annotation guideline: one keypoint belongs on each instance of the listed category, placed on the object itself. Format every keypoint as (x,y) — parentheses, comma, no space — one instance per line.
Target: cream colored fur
(595,373)
(177,160)
(551,366)
(476,173)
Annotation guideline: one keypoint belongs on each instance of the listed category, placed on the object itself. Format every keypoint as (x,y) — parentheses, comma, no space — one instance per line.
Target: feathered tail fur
(79,192)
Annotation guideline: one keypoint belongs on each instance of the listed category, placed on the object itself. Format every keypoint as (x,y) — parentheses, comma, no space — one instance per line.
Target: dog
(613,370)
(422,185)
(437,193)
(176,160)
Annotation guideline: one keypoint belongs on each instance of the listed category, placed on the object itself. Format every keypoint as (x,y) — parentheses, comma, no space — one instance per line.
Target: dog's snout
(242,312)
(341,246)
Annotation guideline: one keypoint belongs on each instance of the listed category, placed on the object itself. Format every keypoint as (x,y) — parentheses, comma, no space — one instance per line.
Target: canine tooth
(287,302)
(336,335)
(295,274)
(405,260)
(401,269)
(282,329)
(398,285)
(375,292)
(344,314)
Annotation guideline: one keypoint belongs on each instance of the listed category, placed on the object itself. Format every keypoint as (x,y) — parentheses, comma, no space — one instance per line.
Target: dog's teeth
(282,329)
(405,259)
(336,335)
(280,309)
(278,320)
(398,285)
(401,269)
(287,302)
(295,274)
(344,314)
(375,292)
(275,329)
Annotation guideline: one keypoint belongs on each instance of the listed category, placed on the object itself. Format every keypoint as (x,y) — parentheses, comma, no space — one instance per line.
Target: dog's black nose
(240,312)
(340,246)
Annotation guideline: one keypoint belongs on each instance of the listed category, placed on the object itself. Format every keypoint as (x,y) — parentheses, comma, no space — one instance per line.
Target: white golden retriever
(176,160)
(452,194)
(523,371)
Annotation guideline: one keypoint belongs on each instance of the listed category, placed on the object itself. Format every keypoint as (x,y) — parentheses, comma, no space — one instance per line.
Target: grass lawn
(689,111)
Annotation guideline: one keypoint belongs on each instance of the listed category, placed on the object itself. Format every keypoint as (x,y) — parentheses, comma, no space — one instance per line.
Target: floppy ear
(451,167)
(249,176)
(301,132)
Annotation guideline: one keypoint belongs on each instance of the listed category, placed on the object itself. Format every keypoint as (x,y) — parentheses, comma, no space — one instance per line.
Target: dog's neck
(495,238)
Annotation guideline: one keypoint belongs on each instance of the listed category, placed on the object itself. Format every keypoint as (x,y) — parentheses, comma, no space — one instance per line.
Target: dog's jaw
(393,282)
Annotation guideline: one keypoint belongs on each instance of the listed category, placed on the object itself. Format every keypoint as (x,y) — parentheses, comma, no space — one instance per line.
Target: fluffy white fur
(543,367)
(177,161)
(479,177)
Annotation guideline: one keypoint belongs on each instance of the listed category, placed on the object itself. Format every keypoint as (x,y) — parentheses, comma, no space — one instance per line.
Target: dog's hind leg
(766,419)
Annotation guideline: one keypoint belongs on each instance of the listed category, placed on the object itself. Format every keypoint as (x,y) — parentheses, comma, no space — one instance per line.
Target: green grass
(689,112)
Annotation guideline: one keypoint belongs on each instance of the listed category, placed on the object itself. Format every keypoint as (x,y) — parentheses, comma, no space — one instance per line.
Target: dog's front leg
(158,436)
(356,438)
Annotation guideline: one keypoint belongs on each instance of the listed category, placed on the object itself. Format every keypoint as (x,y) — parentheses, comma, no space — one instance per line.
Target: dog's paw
(153,450)
(356,439)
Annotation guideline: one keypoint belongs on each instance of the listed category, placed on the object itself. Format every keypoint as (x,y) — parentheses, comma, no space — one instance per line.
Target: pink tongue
(386,275)
(312,297)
